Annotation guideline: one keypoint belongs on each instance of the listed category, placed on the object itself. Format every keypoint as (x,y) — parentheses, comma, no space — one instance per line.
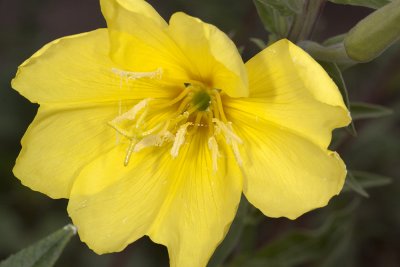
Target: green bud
(374,34)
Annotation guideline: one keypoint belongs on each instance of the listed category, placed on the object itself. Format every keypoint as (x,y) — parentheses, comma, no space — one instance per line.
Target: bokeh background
(363,234)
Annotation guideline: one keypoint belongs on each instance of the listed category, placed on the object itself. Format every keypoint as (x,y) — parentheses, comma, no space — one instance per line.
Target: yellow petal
(59,142)
(214,58)
(181,203)
(76,69)
(113,205)
(200,205)
(288,88)
(285,174)
(139,39)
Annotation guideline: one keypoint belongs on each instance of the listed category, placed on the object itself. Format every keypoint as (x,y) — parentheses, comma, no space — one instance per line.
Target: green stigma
(202,100)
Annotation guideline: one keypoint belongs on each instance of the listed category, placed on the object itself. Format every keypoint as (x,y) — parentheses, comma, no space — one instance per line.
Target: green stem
(304,23)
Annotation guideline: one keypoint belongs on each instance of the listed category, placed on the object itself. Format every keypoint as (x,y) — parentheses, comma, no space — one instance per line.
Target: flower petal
(120,201)
(77,69)
(139,39)
(213,56)
(59,142)
(181,203)
(288,88)
(200,205)
(285,174)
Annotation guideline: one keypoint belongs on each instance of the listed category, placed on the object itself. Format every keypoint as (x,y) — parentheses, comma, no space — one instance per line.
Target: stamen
(184,104)
(129,152)
(197,122)
(184,93)
(129,75)
(236,152)
(227,130)
(154,140)
(220,107)
(131,114)
(231,138)
(179,139)
(213,146)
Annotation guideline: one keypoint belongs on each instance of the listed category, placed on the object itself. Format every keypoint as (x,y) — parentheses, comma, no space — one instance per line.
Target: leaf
(365,180)
(334,72)
(276,16)
(374,34)
(299,247)
(285,7)
(334,39)
(332,53)
(353,184)
(259,43)
(361,110)
(44,253)
(375,4)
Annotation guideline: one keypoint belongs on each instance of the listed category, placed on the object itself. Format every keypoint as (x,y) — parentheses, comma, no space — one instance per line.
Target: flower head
(156,129)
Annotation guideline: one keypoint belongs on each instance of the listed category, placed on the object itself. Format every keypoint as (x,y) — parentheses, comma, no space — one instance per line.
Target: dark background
(26,216)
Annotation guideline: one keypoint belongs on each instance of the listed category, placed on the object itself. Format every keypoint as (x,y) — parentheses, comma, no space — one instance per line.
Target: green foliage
(44,253)
(334,72)
(334,39)
(302,246)
(277,16)
(375,4)
(358,181)
(374,34)
(361,110)
(259,43)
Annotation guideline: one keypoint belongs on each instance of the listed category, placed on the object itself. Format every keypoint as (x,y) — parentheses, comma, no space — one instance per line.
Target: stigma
(197,109)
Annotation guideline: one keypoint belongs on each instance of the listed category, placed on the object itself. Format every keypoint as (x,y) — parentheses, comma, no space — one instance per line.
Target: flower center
(201,100)
(197,109)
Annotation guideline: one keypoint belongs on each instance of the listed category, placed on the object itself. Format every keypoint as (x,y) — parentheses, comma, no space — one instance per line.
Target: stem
(304,23)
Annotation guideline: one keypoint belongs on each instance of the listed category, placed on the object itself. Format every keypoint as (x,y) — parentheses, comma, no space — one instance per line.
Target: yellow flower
(156,129)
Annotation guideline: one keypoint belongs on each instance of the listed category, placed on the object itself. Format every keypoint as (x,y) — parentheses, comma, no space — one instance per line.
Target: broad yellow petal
(59,142)
(113,205)
(285,174)
(213,57)
(181,203)
(288,88)
(139,39)
(200,205)
(77,69)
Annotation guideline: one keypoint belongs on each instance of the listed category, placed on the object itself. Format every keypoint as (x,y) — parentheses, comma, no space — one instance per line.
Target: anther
(179,139)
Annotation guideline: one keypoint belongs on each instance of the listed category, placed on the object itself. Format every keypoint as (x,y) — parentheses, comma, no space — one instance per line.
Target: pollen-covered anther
(154,140)
(179,139)
(131,75)
(230,138)
(130,115)
(213,146)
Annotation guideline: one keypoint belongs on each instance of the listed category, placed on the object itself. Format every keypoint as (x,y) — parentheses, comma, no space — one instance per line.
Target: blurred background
(352,231)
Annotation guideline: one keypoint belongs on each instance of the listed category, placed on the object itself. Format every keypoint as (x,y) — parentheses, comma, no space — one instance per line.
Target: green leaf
(259,43)
(365,180)
(360,110)
(44,253)
(285,7)
(334,39)
(374,34)
(334,72)
(353,184)
(277,16)
(375,4)
(332,53)
(299,247)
